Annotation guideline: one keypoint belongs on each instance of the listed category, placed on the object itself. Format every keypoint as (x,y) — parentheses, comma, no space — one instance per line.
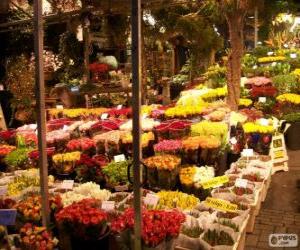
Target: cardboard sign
(262,99)
(242,183)
(151,199)
(8,217)
(67,184)
(121,188)
(104,116)
(247,152)
(119,158)
(220,204)
(108,205)
(3,190)
(215,182)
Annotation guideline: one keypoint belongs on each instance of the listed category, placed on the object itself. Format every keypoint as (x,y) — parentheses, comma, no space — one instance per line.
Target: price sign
(220,204)
(233,140)
(59,107)
(104,116)
(108,205)
(121,188)
(3,190)
(215,182)
(264,122)
(119,106)
(262,99)
(8,217)
(1,87)
(67,184)
(241,183)
(65,128)
(247,152)
(151,199)
(145,116)
(119,158)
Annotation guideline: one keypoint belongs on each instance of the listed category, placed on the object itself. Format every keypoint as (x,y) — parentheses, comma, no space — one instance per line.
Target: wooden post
(86,39)
(136,19)
(2,120)
(41,111)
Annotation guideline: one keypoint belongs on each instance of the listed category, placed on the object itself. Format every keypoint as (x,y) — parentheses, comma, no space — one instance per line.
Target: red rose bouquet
(84,219)
(158,225)
(85,145)
(8,136)
(99,67)
(90,169)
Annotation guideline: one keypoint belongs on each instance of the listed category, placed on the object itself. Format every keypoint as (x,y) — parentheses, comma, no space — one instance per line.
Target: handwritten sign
(8,217)
(215,182)
(241,183)
(104,116)
(67,184)
(3,190)
(151,199)
(59,107)
(121,188)
(262,99)
(119,158)
(108,205)
(220,204)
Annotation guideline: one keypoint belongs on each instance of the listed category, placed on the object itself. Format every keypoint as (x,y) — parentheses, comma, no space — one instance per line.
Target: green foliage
(293,117)
(17,157)
(216,76)
(71,54)
(286,83)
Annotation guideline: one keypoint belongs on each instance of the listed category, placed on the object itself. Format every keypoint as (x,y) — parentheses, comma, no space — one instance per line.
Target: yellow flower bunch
(186,175)
(163,162)
(176,199)
(217,129)
(245,102)
(289,97)
(183,111)
(73,113)
(251,127)
(269,59)
(146,138)
(296,72)
(146,109)
(67,157)
(202,141)
(215,93)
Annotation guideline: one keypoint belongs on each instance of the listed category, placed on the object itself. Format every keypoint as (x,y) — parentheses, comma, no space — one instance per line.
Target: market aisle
(280,212)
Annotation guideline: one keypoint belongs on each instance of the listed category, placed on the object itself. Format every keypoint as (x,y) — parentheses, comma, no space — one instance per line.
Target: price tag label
(233,140)
(241,183)
(220,204)
(119,158)
(104,116)
(247,152)
(121,188)
(67,184)
(119,106)
(215,182)
(3,190)
(145,116)
(108,205)
(262,99)
(8,217)
(59,107)
(151,199)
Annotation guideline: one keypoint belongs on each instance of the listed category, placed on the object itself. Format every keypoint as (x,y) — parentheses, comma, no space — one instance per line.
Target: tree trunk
(236,26)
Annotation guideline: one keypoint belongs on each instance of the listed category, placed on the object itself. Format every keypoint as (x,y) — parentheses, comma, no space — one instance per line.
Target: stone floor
(280,213)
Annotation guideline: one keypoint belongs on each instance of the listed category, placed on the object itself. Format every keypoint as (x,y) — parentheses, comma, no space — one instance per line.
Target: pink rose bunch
(168,146)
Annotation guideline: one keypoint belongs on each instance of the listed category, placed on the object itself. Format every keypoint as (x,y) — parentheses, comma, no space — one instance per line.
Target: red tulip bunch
(85,218)
(5,150)
(7,135)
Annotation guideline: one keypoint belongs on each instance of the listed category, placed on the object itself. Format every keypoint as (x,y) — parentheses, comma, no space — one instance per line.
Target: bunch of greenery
(292,117)
(216,76)
(286,83)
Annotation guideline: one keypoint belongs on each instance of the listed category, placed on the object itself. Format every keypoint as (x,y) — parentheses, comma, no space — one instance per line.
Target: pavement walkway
(280,213)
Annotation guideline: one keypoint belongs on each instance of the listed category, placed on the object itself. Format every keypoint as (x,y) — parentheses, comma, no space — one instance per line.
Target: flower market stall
(192,174)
